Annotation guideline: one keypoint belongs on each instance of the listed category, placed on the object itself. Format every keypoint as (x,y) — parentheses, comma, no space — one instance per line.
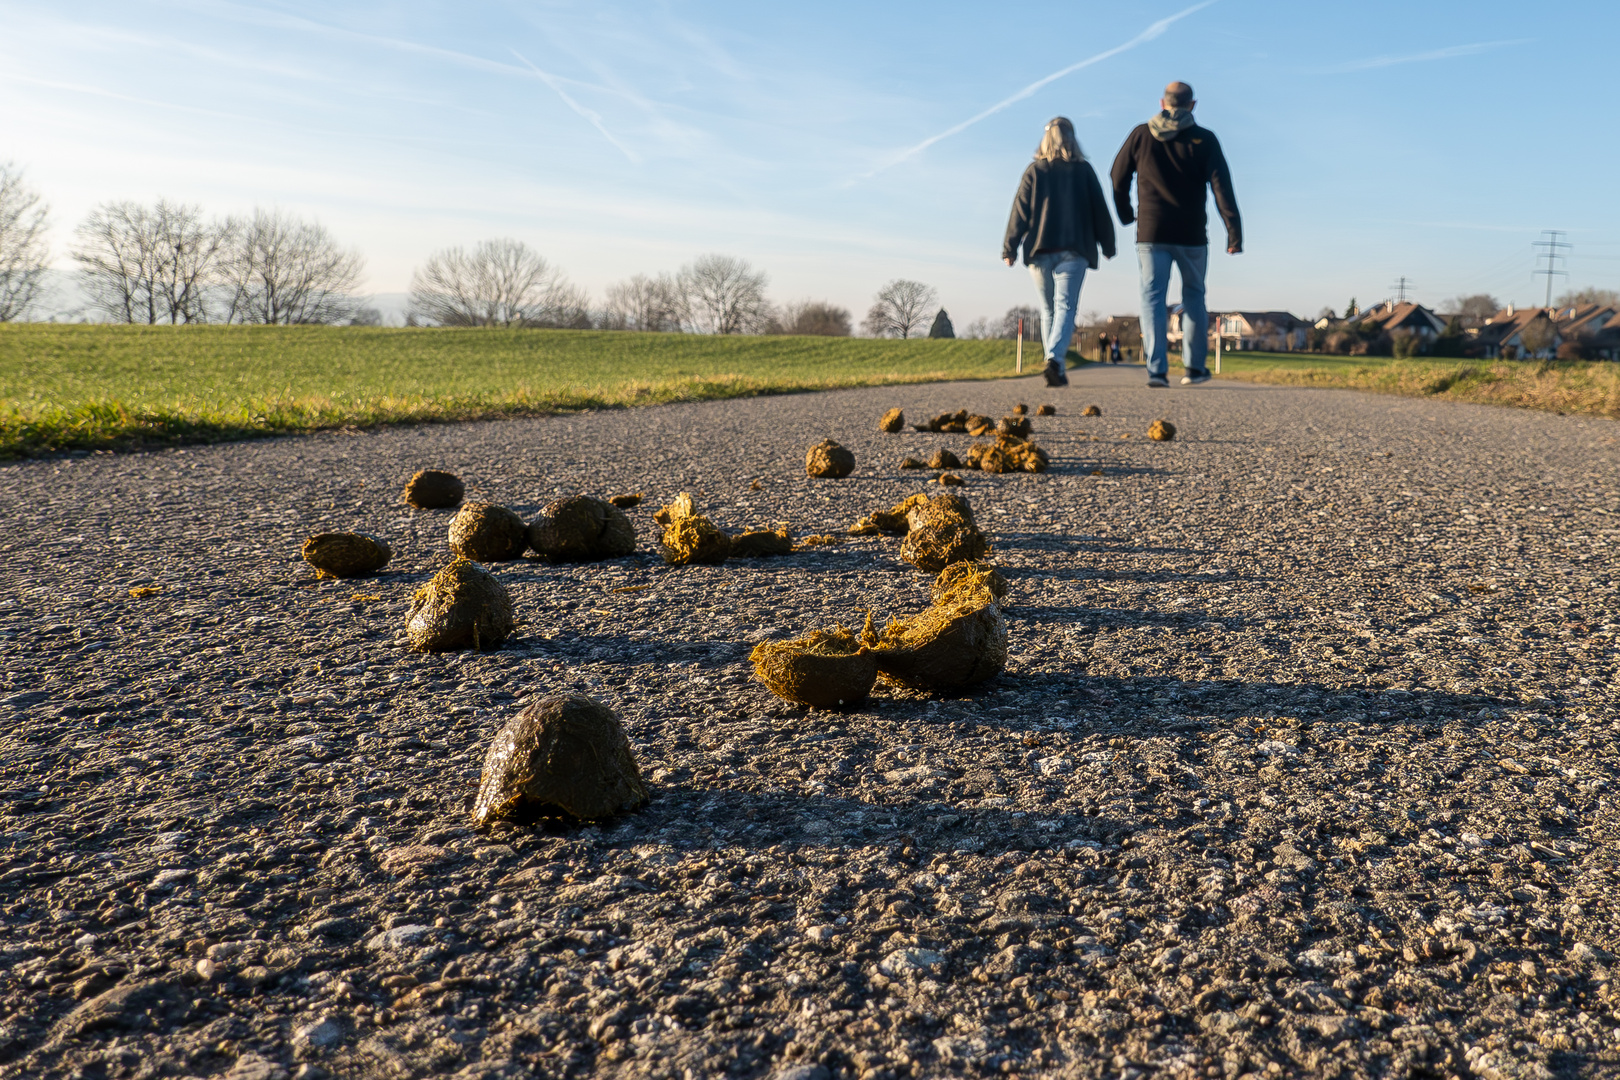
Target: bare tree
(1589,295)
(900,309)
(643,303)
(1472,310)
(816,318)
(23,252)
(281,270)
(151,264)
(1009,324)
(978,329)
(498,283)
(721,294)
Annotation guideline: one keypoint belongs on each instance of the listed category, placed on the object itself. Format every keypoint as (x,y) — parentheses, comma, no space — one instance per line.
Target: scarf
(1168,124)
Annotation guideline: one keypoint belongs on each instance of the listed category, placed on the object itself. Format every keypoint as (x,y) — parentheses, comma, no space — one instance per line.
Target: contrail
(1418,58)
(589,114)
(1145,36)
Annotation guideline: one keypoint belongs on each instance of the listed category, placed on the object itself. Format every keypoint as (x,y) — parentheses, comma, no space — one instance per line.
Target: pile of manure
(950,479)
(893,522)
(564,754)
(942,531)
(828,459)
(464,606)
(826,669)
(1162,431)
(581,529)
(434,490)
(912,463)
(965,581)
(947,647)
(1091,410)
(625,502)
(818,540)
(695,539)
(1020,409)
(346,554)
(486,532)
(979,425)
(892,422)
(1014,425)
(679,507)
(955,422)
(1007,454)
(944,459)
(761,544)
(1046,410)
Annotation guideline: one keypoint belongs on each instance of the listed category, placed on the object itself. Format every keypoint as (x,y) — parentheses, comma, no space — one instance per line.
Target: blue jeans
(1058,275)
(1192,261)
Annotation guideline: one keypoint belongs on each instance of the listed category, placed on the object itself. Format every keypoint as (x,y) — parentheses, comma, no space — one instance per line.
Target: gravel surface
(1304,762)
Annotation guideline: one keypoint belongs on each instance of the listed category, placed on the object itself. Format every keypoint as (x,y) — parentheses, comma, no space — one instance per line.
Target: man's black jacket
(1170,179)
(1060,206)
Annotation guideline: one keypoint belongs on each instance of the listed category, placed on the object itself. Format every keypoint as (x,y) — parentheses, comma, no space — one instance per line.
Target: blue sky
(1367,141)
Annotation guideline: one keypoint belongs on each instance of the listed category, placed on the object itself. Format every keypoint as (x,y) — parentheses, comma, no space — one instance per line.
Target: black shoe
(1054,375)
(1193,378)
(1157,381)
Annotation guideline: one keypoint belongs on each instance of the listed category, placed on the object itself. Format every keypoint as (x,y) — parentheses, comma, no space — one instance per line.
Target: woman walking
(1060,217)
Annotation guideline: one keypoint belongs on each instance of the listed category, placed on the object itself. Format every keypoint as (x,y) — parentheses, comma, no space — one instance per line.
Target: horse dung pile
(485,532)
(828,459)
(581,529)
(892,422)
(464,606)
(1161,431)
(430,489)
(563,754)
(689,537)
(825,669)
(346,554)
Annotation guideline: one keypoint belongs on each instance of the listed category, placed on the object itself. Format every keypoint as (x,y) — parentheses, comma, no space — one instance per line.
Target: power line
(1400,288)
(1554,254)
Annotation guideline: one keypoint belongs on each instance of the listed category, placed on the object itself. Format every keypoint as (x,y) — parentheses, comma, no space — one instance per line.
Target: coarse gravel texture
(1304,762)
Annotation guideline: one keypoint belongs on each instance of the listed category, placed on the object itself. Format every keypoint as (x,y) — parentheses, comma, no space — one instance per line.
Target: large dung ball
(942,532)
(487,533)
(761,544)
(563,754)
(827,669)
(892,421)
(1014,425)
(944,459)
(464,606)
(943,649)
(828,459)
(434,490)
(1046,410)
(1091,410)
(346,554)
(695,539)
(582,529)
(1161,431)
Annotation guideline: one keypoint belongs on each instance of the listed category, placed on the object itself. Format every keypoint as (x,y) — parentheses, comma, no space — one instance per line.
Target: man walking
(1173,159)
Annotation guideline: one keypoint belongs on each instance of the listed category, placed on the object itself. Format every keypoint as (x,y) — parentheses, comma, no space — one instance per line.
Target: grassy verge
(1563,386)
(88,387)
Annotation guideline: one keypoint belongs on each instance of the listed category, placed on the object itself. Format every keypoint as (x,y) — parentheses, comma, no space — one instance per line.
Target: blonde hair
(1059,143)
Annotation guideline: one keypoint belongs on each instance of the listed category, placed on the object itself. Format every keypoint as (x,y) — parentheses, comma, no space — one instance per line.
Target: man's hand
(1234,249)
(1009,262)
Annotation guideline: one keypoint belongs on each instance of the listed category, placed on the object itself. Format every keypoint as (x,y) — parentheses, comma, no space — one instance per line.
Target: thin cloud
(1153,31)
(1448,53)
(591,115)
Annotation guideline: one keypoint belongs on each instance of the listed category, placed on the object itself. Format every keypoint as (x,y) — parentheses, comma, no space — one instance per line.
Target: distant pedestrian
(1102,348)
(1173,159)
(1113,351)
(1060,217)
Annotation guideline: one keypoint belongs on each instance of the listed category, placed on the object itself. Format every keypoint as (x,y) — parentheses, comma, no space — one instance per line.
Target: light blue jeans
(1192,260)
(1058,275)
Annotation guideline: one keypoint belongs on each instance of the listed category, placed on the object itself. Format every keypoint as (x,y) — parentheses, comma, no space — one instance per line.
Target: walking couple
(1060,218)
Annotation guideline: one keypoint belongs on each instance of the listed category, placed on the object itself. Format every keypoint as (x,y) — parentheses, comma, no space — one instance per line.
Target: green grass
(1563,386)
(91,387)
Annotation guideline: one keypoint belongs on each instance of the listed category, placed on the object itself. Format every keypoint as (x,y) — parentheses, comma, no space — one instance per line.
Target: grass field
(1564,386)
(88,387)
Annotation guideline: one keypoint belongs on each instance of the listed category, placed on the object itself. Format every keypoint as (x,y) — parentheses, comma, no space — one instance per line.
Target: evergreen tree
(942,327)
